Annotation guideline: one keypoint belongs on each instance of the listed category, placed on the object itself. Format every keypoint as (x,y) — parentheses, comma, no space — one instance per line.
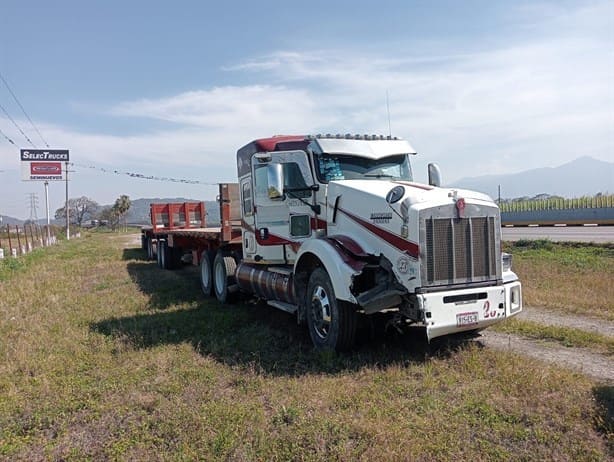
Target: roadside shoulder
(554,318)
(583,360)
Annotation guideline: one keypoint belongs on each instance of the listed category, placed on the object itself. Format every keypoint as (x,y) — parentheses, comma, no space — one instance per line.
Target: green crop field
(103,356)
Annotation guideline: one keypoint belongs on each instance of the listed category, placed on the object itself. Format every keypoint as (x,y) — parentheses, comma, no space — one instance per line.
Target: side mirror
(275,179)
(434,175)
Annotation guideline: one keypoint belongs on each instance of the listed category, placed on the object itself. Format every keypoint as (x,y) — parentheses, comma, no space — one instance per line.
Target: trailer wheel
(172,257)
(150,250)
(332,323)
(206,272)
(161,250)
(224,281)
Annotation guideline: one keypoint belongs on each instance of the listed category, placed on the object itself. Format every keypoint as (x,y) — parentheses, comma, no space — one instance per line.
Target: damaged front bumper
(463,310)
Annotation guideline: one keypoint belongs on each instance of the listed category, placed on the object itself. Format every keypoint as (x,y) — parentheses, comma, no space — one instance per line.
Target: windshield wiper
(378,175)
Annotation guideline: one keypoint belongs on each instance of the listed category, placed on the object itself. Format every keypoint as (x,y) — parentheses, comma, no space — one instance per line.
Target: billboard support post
(47,207)
(67,208)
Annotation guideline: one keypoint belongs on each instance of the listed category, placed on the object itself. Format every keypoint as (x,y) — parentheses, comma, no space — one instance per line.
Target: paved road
(555,233)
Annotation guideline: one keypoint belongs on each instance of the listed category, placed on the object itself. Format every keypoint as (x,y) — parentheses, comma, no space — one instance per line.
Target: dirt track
(598,366)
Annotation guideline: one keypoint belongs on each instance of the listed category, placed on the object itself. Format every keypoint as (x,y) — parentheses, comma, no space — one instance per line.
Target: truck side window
(260,181)
(247,198)
(293,179)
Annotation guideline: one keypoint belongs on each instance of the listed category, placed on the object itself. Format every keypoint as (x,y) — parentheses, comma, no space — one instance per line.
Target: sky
(173,89)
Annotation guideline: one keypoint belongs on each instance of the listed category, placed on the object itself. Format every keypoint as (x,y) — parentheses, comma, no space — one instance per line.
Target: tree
(121,207)
(108,216)
(79,209)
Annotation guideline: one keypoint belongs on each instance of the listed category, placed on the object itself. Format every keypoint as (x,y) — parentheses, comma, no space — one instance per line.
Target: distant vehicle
(331,228)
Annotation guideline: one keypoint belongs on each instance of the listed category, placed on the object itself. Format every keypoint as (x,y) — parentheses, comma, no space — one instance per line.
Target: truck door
(282,218)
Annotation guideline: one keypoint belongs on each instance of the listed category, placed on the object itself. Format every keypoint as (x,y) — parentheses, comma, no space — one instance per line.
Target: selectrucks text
(333,229)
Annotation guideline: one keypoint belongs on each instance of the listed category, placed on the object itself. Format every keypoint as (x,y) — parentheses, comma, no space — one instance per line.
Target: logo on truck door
(381,217)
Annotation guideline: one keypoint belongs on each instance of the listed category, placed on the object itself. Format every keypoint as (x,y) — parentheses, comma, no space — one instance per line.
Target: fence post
(8,233)
(25,237)
(31,236)
(18,238)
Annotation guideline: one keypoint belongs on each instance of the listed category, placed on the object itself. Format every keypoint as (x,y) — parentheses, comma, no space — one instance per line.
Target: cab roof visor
(372,149)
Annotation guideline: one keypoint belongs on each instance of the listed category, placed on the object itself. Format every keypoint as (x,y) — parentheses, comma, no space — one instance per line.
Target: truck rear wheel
(206,272)
(224,281)
(332,323)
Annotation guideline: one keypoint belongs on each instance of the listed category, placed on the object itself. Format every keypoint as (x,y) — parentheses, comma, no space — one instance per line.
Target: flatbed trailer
(179,233)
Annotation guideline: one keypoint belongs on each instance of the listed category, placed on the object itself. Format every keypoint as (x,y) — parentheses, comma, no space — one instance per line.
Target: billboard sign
(43,164)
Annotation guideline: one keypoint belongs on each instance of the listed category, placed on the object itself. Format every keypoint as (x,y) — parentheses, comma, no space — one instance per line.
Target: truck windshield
(342,167)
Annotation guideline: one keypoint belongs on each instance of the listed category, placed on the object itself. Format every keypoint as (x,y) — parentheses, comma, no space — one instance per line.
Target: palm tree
(121,207)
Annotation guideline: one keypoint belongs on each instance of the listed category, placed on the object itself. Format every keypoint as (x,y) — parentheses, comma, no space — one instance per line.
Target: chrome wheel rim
(321,312)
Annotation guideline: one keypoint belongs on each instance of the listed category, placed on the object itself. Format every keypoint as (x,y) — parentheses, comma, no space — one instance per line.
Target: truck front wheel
(224,281)
(332,322)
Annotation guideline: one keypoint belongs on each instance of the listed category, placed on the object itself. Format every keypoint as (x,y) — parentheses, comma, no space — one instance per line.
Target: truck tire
(332,323)
(172,257)
(150,250)
(224,282)
(161,250)
(206,272)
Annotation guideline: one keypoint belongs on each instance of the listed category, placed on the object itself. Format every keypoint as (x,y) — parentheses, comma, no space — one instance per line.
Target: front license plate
(466,319)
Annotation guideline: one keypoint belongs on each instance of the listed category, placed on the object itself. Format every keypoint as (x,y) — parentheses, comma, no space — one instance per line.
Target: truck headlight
(515,299)
(506,262)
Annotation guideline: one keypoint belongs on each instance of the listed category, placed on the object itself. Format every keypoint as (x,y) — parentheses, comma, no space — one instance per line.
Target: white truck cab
(334,227)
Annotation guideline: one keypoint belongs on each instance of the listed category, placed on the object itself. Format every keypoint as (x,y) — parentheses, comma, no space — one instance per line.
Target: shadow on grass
(604,396)
(137,254)
(165,288)
(253,336)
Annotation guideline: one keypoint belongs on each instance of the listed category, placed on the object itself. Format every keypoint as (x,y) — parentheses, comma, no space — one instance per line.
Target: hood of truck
(425,223)
(415,193)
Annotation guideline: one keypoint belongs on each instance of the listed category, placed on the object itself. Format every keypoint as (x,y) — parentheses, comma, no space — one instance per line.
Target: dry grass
(571,278)
(104,356)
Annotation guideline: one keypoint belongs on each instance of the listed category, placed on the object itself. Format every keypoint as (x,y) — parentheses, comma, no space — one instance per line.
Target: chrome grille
(460,250)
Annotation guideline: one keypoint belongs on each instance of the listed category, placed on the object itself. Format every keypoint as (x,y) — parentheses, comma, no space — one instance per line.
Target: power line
(18,127)
(22,109)
(7,138)
(143,176)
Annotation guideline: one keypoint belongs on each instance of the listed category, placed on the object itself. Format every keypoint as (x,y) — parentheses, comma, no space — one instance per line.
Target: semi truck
(333,229)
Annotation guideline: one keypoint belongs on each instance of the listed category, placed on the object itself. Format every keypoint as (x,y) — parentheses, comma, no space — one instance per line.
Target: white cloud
(543,100)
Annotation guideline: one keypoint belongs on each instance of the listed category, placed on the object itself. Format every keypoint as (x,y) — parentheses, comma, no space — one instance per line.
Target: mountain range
(584,176)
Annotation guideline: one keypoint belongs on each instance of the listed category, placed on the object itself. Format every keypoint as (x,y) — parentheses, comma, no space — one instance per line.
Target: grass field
(569,277)
(105,356)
